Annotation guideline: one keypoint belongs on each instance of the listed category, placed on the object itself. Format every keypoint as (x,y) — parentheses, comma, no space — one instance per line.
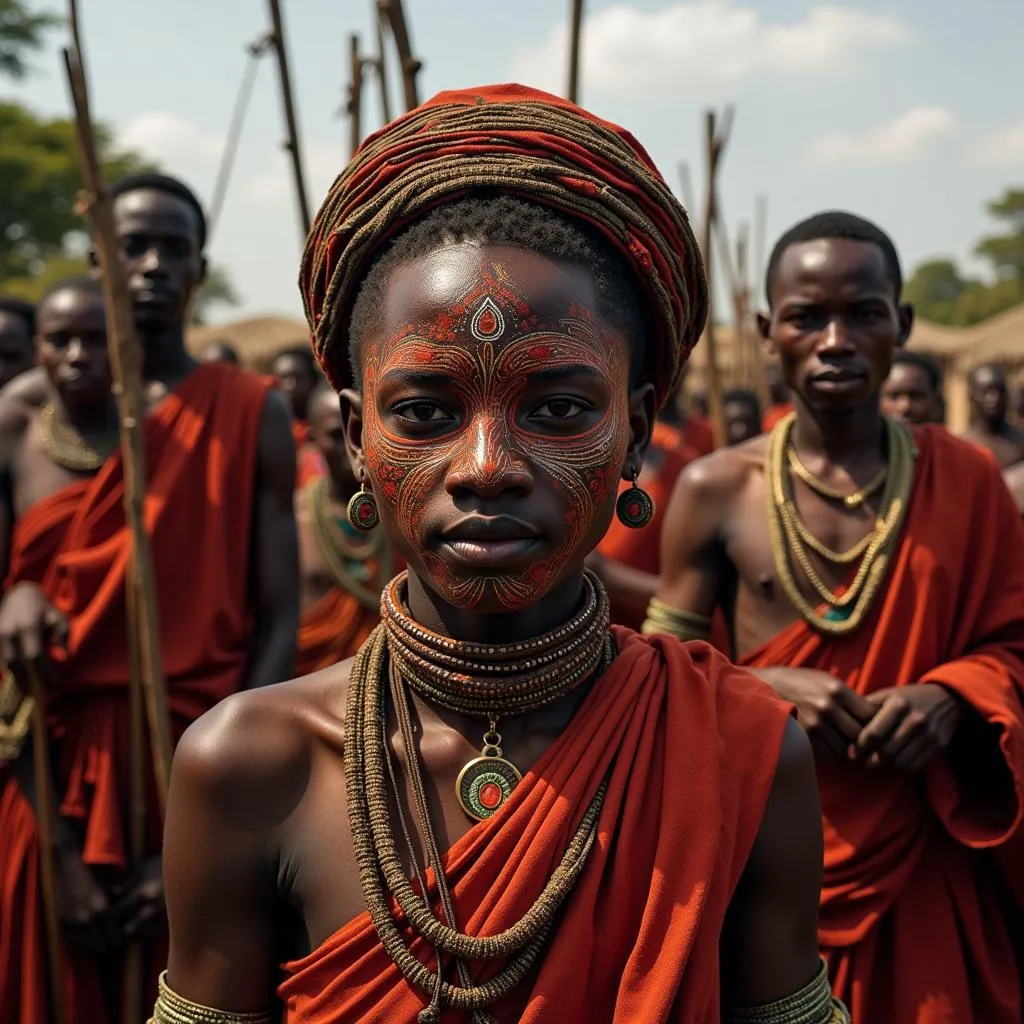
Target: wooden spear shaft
(410,65)
(575,30)
(355,96)
(715,407)
(44,823)
(126,366)
(291,121)
(382,66)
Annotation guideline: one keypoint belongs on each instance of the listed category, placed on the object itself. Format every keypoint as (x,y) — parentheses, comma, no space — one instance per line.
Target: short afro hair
(25,311)
(81,283)
(837,224)
(494,219)
(164,183)
(928,366)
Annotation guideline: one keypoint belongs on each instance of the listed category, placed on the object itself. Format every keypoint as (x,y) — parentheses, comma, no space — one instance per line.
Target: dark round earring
(635,507)
(362,509)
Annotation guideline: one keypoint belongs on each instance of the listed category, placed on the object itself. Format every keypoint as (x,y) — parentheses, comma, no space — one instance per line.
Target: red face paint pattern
(487,348)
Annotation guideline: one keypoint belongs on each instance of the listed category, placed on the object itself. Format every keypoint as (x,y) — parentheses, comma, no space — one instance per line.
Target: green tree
(941,293)
(935,288)
(21,31)
(39,180)
(217,290)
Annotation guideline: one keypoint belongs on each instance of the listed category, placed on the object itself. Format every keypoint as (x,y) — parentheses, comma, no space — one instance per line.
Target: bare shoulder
(260,742)
(718,478)
(21,397)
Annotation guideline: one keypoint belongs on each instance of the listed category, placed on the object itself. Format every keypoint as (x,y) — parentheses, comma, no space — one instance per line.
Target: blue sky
(910,112)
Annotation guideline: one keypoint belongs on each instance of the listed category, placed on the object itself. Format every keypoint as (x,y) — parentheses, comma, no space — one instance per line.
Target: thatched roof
(256,339)
(999,339)
(939,342)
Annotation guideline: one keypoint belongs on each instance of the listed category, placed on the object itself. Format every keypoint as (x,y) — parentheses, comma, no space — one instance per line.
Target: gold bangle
(813,1004)
(174,1009)
(663,618)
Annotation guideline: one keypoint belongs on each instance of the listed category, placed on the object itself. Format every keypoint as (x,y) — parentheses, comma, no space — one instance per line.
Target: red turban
(519,141)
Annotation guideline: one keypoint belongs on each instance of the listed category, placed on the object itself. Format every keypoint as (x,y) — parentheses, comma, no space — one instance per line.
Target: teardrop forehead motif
(488,323)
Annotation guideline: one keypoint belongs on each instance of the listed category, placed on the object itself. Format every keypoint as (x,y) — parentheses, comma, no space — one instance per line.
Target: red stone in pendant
(490,795)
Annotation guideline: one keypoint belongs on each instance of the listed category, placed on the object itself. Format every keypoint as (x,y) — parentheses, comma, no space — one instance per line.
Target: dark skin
(160,249)
(834,324)
(219,352)
(17,346)
(990,427)
(327,435)
(742,422)
(263,773)
(296,381)
(909,396)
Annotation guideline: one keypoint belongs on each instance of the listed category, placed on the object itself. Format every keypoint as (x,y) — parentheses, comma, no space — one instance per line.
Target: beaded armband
(174,1009)
(813,1004)
(663,618)
(15,716)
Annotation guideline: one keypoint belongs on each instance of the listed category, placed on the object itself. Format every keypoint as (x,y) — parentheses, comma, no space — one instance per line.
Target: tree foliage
(941,293)
(21,31)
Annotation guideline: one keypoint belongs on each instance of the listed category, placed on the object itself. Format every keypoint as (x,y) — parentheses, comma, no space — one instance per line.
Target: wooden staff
(381,65)
(44,822)
(392,10)
(292,145)
(575,30)
(355,95)
(717,135)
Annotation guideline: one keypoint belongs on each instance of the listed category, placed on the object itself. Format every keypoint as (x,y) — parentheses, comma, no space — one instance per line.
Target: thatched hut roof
(999,339)
(256,339)
(942,343)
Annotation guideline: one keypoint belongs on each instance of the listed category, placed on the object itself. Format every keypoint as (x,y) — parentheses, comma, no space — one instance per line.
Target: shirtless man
(17,338)
(883,594)
(990,427)
(496,384)
(912,393)
(220,467)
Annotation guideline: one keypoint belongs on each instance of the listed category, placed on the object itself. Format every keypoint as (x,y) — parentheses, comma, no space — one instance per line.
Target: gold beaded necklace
(517,677)
(67,448)
(851,499)
(345,558)
(790,535)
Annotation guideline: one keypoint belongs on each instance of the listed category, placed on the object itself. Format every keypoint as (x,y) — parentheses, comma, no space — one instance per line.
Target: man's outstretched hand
(912,726)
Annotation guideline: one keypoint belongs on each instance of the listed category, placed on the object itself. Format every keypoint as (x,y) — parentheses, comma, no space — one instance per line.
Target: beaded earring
(362,509)
(635,507)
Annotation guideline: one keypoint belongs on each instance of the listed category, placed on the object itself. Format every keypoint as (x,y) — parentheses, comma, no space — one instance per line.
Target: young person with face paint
(883,594)
(220,468)
(340,565)
(502,313)
(990,428)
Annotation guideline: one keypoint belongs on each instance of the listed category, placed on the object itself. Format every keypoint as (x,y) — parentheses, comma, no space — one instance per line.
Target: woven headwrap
(519,141)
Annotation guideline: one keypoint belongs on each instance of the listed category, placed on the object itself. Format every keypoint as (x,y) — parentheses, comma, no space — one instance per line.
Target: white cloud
(903,138)
(1004,147)
(170,139)
(705,42)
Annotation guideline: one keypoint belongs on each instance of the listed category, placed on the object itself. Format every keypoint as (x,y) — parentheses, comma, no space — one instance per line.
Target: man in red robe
(883,594)
(503,290)
(218,511)
(341,568)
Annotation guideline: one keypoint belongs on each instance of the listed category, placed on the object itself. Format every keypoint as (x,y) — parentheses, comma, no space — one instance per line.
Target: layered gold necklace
(350,561)
(489,681)
(67,448)
(790,536)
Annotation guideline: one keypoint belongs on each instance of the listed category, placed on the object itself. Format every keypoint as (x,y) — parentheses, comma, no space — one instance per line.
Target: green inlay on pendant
(485,784)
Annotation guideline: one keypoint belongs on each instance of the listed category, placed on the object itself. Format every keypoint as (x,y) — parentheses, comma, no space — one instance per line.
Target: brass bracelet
(174,1009)
(16,710)
(813,1004)
(663,618)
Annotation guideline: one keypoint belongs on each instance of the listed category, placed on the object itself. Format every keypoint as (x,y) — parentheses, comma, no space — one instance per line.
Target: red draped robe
(690,745)
(910,917)
(200,444)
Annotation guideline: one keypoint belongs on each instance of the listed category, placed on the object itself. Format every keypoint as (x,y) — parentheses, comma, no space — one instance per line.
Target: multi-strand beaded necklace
(489,681)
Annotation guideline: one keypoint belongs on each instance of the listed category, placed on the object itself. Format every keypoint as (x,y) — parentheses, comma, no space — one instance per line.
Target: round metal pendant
(484,784)
(362,511)
(635,508)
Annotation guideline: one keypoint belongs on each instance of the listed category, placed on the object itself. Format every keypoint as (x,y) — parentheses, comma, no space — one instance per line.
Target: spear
(355,96)
(392,9)
(575,29)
